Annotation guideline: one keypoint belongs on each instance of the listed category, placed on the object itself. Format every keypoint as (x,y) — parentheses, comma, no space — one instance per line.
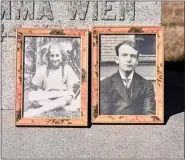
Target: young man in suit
(126,92)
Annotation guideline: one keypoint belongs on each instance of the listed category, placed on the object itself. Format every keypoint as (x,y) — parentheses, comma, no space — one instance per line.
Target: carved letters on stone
(26,10)
(95,10)
(107,11)
(6,10)
(45,11)
(79,8)
(75,11)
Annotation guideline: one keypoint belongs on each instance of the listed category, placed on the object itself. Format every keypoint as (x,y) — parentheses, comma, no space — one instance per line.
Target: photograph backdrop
(147,55)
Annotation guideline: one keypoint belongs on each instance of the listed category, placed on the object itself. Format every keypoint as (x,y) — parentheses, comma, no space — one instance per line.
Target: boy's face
(55,56)
(127,58)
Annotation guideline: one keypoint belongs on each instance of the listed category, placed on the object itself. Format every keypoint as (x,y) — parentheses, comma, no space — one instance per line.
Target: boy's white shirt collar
(130,77)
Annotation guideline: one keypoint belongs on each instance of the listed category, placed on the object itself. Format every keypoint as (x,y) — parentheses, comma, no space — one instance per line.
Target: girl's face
(55,56)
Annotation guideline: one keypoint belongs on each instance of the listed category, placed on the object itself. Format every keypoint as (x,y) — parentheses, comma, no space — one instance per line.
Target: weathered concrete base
(99,141)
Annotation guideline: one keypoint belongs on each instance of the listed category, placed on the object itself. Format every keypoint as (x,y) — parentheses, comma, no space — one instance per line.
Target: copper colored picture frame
(103,61)
(33,44)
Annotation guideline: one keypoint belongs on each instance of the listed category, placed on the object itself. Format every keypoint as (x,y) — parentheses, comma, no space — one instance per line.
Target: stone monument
(98,141)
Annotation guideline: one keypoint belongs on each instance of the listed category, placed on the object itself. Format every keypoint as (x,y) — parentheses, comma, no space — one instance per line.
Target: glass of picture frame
(51,77)
(127,74)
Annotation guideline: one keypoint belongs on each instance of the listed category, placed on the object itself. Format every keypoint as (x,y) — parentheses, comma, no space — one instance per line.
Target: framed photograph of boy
(127,74)
(51,77)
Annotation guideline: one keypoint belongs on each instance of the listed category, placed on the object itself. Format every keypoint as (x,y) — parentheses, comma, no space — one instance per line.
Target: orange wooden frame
(159,117)
(83,119)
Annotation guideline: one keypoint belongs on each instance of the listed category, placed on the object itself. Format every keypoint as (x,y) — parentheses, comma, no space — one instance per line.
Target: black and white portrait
(127,74)
(51,77)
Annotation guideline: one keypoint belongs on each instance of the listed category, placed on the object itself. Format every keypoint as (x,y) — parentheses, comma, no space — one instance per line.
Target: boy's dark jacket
(114,99)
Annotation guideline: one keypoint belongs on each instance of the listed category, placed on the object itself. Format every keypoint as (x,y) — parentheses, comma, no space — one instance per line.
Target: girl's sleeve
(38,78)
(71,77)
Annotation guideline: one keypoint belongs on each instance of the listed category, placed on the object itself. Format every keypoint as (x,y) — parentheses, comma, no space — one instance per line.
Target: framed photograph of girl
(127,74)
(51,77)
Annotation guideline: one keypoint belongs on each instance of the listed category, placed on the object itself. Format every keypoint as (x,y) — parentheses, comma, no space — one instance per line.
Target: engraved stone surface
(8,73)
(78,14)
(99,141)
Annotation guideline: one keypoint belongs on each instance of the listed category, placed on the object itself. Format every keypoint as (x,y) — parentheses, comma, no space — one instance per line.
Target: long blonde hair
(48,59)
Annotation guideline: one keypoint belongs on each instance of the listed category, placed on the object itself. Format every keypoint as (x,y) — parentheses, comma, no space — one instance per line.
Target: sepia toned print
(54,92)
(124,75)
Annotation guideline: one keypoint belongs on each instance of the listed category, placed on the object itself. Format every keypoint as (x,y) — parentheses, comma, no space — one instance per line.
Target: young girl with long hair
(53,82)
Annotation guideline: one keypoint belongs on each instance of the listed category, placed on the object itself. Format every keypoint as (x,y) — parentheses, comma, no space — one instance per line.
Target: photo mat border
(53,32)
(155,119)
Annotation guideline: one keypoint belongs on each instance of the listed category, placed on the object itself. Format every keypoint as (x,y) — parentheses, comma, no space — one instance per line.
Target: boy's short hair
(129,43)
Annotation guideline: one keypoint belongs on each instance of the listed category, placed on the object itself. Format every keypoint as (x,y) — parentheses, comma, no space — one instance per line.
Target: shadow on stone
(173,89)
(89,82)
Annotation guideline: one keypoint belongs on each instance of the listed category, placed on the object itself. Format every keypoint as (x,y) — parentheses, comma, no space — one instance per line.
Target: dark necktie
(127,87)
